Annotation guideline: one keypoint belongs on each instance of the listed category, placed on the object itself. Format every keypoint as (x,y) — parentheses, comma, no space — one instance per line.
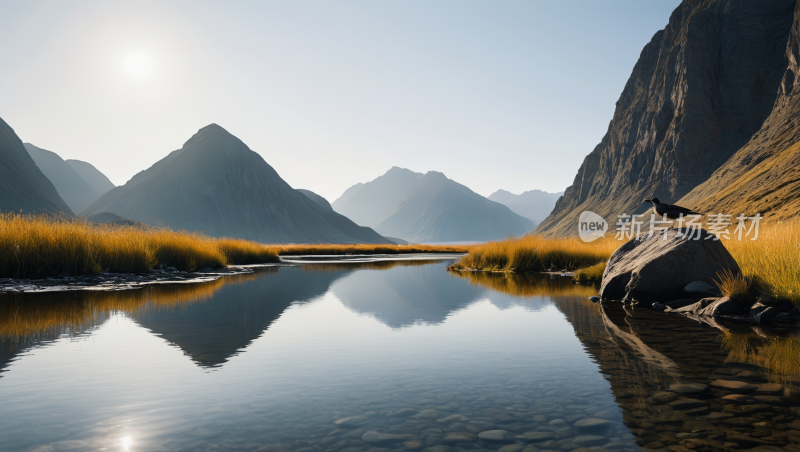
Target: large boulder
(660,266)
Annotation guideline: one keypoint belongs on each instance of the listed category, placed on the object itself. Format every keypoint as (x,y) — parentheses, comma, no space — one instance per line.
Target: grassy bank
(771,263)
(532,253)
(32,246)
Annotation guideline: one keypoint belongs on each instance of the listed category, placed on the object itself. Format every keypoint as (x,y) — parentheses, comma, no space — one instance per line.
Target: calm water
(386,356)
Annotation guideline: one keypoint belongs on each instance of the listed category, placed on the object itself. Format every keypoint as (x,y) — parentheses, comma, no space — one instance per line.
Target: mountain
(322,202)
(764,174)
(112,218)
(699,93)
(23,186)
(97,181)
(69,184)
(367,204)
(429,208)
(216,185)
(534,205)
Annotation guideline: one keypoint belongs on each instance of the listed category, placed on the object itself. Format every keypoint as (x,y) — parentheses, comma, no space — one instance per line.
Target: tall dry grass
(533,253)
(773,259)
(32,246)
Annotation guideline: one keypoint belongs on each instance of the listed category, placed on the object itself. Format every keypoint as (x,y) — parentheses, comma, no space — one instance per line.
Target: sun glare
(127,441)
(137,65)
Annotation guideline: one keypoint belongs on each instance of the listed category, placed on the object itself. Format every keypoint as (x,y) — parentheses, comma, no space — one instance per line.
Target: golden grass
(773,260)
(593,274)
(534,253)
(33,246)
(331,249)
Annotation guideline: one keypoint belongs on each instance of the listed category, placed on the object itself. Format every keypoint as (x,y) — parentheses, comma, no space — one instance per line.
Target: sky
(495,94)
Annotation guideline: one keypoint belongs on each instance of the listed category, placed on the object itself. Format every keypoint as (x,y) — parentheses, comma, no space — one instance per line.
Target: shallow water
(391,355)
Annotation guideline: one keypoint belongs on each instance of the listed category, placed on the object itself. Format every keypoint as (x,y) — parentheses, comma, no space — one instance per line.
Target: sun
(137,65)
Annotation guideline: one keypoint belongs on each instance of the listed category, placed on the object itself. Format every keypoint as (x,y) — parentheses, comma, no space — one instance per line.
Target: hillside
(72,188)
(534,205)
(23,186)
(216,185)
(97,181)
(700,91)
(764,175)
(322,202)
(430,208)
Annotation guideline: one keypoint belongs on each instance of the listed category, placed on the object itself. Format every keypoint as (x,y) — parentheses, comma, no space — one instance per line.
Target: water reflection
(316,357)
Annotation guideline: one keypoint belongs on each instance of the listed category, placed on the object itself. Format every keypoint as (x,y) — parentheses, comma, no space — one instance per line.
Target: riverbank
(770,264)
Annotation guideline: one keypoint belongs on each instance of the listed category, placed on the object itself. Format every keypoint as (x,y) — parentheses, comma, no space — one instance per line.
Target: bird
(670,211)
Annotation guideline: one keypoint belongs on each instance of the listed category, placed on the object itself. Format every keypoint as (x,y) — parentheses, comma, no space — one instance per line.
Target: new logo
(591,226)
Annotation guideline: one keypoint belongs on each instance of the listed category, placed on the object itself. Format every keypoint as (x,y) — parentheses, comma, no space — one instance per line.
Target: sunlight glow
(127,441)
(137,64)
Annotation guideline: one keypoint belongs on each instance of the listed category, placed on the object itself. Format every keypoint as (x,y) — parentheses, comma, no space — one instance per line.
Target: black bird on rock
(669,211)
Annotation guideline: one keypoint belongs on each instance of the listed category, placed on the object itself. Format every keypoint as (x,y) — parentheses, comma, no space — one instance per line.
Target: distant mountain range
(428,208)
(534,205)
(216,185)
(72,188)
(97,181)
(23,186)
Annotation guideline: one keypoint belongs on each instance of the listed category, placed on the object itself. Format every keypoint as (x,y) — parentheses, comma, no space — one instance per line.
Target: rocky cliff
(23,186)
(701,90)
(216,185)
(764,175)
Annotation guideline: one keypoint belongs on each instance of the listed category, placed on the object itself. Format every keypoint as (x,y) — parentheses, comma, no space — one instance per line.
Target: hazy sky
(495,94)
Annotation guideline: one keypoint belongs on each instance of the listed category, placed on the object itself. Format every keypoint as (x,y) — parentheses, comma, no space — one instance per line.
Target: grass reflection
(779,357)
(374,265)
(527,284)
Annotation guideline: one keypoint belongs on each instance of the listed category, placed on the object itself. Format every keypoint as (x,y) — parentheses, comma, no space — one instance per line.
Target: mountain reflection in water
(399,347)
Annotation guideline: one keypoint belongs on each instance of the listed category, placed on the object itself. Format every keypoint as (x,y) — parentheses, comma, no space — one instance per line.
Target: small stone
(453,418)
(734,385)
(439,448)
(459,438)
(745,440)
(664,397)
(412,445)
(594,299)
(511,448)
(687,404)
(405,412)
(351,422)
(737,398)
(688,388)
(500,436)
(592,425)
(426,414)
(539,436)
(558,423)
(659,307)
(590,440)
(769,389)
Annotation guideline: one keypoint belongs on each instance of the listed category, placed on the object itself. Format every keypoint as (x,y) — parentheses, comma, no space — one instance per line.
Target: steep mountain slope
(764,175)
(23,186)
(322,202)
(372,201)
(700,90)
(72,188)
(97,181)
(442,210)
(534,205)
(215,184)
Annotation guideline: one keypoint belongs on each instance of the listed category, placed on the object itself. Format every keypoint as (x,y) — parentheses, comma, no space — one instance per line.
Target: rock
(590,426)
(439,448)
(426,414)
(558,423)
(700,287)
(405,412)
(737,398)
(681,302)
(594,299)
(744,440)
(537,437)
(453,418)
(459,438)
(687,404)
(688,388)
(769,389)
(723,306)
(664,397)
(511,448)
(662,265)
(412,445)
(590,440)
(498,436)
(736,386)
(530,449)
(170,269)
(659,307)
(351,422)
(373,437)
